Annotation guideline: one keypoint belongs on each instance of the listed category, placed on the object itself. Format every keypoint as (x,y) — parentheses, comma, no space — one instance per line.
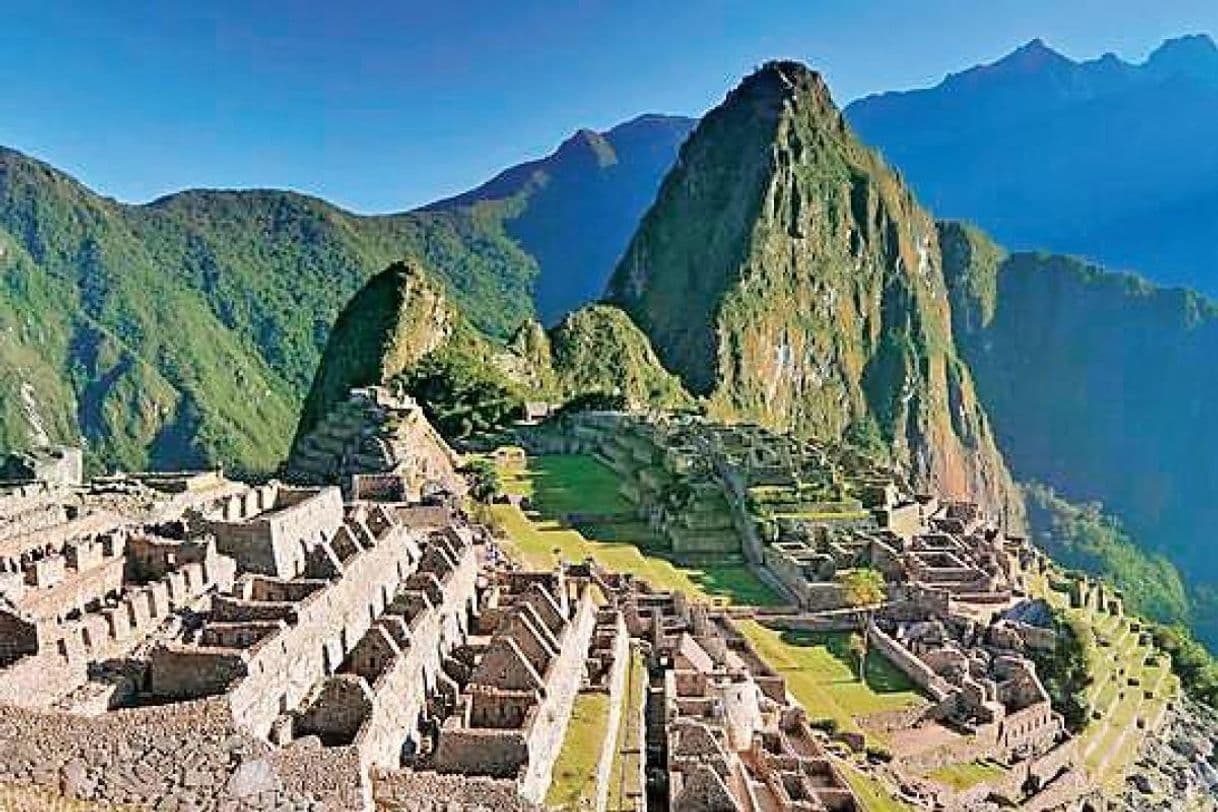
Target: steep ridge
(185,332)
(1103,158)
(575,210)
(403,329)
(1101,385)
(788,275)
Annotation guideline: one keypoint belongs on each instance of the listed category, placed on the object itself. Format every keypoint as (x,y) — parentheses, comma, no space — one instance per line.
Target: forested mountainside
(186,331)
(1101,385)
(785,273)
(1101,158)
(403,330)
(575,210)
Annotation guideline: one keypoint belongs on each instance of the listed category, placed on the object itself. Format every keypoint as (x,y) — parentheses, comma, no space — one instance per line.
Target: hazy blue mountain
(1102,158)
(575,210)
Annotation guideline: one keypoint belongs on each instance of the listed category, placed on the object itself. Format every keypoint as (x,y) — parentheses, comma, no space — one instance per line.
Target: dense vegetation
(1101,386)
(184,332)
(1196,667)
(787,274)
(1065,673)
(462,394)
(599,349)
(1083,537)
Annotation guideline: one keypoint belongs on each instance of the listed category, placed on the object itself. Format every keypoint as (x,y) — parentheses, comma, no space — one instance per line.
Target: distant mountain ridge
(575,209)
(186,331)
(1103,158)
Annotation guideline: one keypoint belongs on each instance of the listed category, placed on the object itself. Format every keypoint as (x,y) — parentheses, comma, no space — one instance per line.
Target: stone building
(513,709)
(376,445)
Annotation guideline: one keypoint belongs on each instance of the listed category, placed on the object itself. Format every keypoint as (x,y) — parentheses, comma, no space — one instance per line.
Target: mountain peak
(1191,55)
(786,85)
(584,144)
(1031,57)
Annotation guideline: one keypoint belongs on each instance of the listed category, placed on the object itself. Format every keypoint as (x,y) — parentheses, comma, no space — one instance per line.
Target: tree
(483,478)
(857,645)
(864,589)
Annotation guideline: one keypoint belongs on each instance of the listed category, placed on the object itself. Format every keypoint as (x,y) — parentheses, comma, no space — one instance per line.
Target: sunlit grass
(820,676)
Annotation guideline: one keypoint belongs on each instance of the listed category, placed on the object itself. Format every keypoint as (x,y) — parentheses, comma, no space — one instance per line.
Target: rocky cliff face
(788,275)
(1101,385)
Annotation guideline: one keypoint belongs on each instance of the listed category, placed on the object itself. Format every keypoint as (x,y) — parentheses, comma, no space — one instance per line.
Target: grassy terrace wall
(558,485)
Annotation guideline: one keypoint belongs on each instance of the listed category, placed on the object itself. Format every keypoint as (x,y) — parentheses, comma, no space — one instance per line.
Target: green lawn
(561,484)
(535,543)
(819,675)
(872,795)
(573,785)
(969,774)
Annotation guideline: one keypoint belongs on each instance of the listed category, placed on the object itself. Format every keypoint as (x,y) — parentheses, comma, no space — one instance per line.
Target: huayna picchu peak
(788,276)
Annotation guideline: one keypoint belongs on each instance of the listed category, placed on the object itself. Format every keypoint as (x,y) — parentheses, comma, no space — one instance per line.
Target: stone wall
(523,748)
(619,673)
(274,539)
(281,669)
(917,671)
(189,755)
(407,791)
(400,691)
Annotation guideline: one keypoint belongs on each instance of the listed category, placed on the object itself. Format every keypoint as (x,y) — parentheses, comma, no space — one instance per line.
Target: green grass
(871,794)
(562,484)
(969,774)
(819,675)
(535,542)
(624,773)
(573,785)
(559,484)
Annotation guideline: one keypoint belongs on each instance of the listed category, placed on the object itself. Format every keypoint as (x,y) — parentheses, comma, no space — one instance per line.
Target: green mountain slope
(599,349)
(185,332)
(402,328)
(1100,385)
(788,275)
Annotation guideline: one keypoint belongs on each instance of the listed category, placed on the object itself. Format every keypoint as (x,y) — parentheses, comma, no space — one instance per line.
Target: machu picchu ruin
(361,640)
(303,510)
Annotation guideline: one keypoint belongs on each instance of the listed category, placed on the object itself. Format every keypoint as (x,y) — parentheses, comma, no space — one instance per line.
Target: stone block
(95,631)
(176,583)
(192,573)
(158,599)
(139,610)
(118,623)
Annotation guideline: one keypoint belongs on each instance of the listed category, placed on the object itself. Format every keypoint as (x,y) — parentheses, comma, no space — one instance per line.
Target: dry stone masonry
(350,640)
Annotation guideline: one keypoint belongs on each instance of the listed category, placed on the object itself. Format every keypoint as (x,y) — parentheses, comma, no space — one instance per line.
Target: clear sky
(380,106)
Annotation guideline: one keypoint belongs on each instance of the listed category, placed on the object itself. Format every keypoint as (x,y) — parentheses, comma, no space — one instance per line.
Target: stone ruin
(730,736)
(377,445)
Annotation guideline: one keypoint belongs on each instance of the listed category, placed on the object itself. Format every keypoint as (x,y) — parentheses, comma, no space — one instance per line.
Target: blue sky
(380,106)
